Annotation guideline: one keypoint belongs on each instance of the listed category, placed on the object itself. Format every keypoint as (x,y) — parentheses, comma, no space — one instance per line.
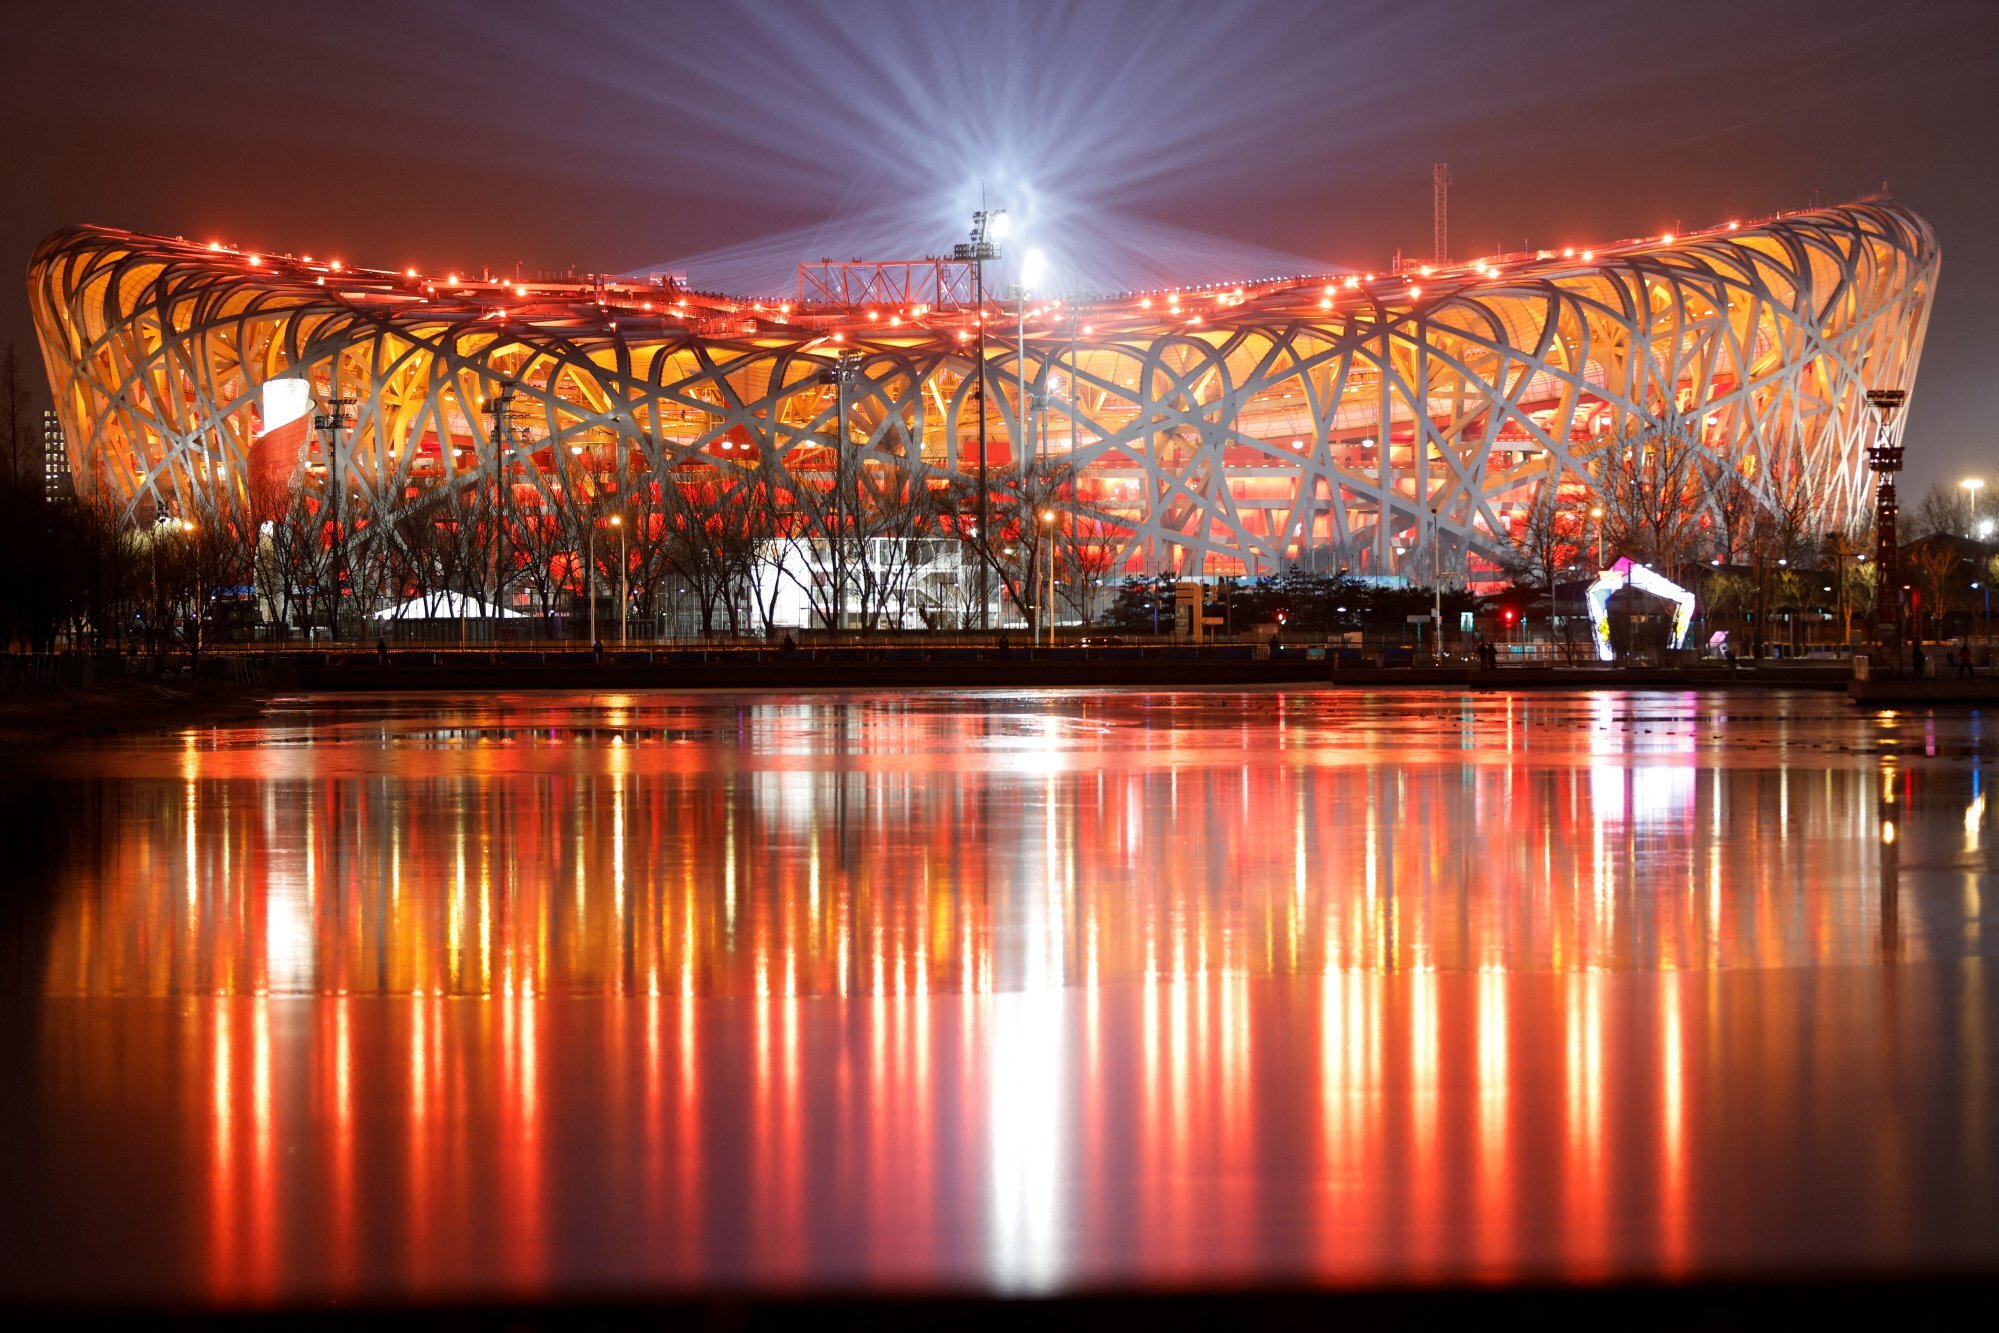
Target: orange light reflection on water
(1027,998)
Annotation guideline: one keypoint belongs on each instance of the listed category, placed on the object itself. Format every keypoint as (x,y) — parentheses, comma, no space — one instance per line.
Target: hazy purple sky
(734,139)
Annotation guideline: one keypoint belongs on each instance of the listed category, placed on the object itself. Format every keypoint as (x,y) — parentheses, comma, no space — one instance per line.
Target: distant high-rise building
(55,458)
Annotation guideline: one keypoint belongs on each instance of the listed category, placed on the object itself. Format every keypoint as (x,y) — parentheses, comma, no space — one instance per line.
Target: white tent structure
(446,606)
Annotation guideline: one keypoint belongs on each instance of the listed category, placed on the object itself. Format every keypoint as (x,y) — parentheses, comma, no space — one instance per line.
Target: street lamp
(1973,485)
(1596,512)
(624,569)
(1436,596)
(590,579)
(1047,616)
(988,228)
(338,416)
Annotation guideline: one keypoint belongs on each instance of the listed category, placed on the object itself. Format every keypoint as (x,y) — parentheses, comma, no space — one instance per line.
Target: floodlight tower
(501,410)
(1884,458)
(988,228)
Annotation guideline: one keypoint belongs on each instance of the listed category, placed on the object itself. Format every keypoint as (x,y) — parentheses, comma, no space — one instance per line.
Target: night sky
(1140,142)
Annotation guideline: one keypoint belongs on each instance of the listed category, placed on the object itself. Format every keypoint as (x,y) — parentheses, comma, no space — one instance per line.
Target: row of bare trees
(865,544)
(1763,542)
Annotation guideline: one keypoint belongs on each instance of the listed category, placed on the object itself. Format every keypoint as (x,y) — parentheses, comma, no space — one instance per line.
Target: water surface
(551,995)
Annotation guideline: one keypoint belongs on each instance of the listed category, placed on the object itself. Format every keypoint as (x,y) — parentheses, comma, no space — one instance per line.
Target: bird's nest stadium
(1373,421)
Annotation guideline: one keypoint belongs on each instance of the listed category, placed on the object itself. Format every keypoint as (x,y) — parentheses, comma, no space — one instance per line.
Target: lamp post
(1596,512)
(1048,603)
(1835,546)
(1981,530)
(339,414)
(988,228)
(590,580)
(194,559)
(624,571)
(1436,595)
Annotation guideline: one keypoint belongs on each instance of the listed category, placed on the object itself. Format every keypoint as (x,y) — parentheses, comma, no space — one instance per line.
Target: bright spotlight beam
(1033,268)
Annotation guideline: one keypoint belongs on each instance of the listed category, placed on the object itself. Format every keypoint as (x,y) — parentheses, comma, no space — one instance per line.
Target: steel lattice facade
(1212,430)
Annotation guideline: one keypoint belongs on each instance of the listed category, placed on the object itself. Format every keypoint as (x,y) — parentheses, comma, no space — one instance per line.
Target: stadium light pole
(988,228)
(338,415)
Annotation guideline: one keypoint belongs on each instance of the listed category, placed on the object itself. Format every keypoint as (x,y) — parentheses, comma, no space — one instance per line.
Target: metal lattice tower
(1440,211)
(1884,457)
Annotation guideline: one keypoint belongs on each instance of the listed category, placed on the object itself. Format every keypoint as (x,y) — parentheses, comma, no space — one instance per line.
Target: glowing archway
(1625,574)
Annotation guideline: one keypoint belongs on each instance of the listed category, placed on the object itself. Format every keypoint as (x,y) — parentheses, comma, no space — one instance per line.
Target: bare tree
(296,569)
(1845,549)
(1943,510)
(1025,504)
(1090,546)
(1727,596)
(648,568)
(896,536)
(1542,543)
(547,537)
(209,560)
(99,558)
(1651,482)
(1937,570)
(855,543)
(714,527)
(1783,531)
(1731,508)
(20,443)
(473,551)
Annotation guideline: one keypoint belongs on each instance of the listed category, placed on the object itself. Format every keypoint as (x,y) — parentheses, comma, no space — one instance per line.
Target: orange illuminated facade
(1356,420)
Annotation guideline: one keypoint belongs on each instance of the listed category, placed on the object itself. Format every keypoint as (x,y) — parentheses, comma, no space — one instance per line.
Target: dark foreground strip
(1835,1302)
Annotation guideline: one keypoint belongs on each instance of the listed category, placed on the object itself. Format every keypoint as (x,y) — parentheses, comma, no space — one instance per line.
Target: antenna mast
(1440,210)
